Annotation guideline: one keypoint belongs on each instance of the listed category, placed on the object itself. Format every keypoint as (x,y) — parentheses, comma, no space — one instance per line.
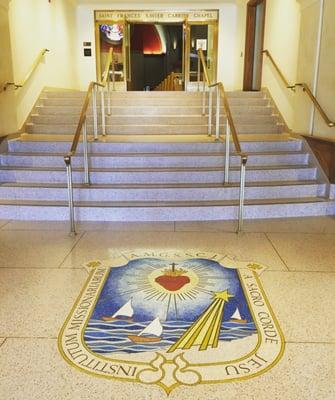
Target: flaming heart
(173,280)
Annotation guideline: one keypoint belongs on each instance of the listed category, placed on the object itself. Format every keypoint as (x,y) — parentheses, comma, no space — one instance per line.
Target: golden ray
(205,331)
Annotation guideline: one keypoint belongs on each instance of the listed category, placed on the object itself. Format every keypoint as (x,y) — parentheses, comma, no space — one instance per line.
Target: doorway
(156,51)
(201,36)
(150,46)
(254,43)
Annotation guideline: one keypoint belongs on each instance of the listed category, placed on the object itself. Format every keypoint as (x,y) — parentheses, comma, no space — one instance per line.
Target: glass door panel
(111,35)
(201,36)
(211,53)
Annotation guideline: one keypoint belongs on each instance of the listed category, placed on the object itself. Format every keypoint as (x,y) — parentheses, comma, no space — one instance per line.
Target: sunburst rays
(200,281)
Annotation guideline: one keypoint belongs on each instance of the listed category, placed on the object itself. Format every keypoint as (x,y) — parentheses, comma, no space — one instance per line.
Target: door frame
(97,48)
(187,52)
(249,51)
(186,23)
(128,43)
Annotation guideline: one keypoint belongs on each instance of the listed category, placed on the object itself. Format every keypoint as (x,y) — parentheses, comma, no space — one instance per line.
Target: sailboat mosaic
(143,311)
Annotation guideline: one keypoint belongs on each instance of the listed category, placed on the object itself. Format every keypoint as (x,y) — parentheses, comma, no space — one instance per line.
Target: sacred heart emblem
(173,279)
(172,319)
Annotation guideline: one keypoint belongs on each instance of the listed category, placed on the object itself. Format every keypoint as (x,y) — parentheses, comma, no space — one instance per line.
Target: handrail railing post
(103,116)
(242,193)
(217,120)
(210,111)
(198,74)
(109,112)
(67,160)
(113,72)
(227,155)
(203,97)
(85,150)
(95,113)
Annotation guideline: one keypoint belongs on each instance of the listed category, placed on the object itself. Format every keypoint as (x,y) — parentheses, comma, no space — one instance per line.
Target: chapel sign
(157,15)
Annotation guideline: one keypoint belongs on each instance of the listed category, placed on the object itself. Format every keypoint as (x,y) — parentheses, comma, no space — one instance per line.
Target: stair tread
(156,204)
(161,186)
(160,169)
(155,154)
(157,138)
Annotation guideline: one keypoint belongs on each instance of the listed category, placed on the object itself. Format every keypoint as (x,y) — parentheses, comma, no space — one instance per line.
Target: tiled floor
(41,275)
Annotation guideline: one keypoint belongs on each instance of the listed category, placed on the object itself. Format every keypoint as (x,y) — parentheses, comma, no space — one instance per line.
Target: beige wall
(326,82)
(306,64)
(7,111)
(231,35)
(282,40)
(292,37)
(37,24)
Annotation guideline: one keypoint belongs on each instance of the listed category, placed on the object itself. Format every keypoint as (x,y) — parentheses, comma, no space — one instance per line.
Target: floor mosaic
(204,314)
(171,319)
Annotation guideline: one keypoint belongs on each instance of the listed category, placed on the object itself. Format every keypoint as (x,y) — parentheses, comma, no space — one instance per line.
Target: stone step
(158,175)
(242,128)
(26,145)
(155,94)
(242,119)
(133,160)
(103,193)
(126,110)
(243,101)
(248,110)
(168,211)
(133,101)
(158,129)
(245,94)
(122,95)
(190,119)
(125,119)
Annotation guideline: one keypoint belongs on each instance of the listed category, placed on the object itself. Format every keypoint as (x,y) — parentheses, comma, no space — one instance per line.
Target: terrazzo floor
(41,274)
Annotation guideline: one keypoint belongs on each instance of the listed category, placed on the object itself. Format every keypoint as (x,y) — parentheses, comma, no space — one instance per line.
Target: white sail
(125,311)
(154,328)
(236,314)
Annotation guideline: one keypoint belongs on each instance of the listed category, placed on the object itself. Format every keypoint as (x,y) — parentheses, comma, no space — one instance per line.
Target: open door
(254,43)
(200,36)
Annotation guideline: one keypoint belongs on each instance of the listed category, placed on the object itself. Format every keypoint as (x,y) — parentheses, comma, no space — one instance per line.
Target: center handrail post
(217,117)
(113,74)
(198,73)
(210,110)
(109,111)
(95,113)
(85,151)
(227,155)
(242,193)
(68,165)
(203,97)
(103,115)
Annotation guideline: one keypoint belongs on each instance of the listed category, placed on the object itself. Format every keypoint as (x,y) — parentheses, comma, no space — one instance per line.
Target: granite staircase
(157,163)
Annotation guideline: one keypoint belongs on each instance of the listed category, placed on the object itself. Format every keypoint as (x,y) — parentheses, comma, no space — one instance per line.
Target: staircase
(158,164)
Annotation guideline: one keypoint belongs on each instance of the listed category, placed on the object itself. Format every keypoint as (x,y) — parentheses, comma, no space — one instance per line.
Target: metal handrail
(82,130)
(35,64)
(230,128)
(305,88)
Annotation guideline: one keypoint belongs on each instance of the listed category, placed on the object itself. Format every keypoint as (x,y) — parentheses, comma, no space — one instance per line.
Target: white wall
(307,65)
(230,42)
(282,32)
(37,24)
(7,111)
(326,82)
